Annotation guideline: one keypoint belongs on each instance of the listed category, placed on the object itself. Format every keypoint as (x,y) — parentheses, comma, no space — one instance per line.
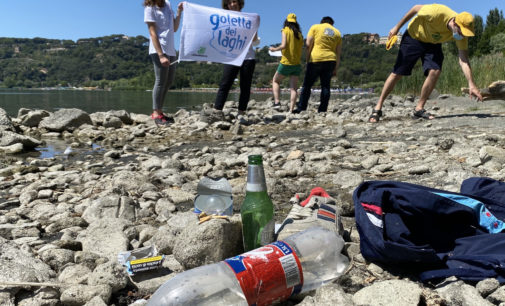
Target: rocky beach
(123,183)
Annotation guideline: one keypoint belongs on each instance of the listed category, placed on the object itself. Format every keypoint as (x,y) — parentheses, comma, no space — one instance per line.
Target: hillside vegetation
(121,62)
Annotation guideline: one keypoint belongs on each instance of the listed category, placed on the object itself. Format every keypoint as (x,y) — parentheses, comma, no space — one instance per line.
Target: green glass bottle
(257,210)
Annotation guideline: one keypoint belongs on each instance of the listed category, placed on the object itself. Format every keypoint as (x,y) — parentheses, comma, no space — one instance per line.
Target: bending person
(324,45)
(230,72)
(162,24)
(291,46)
(433,25)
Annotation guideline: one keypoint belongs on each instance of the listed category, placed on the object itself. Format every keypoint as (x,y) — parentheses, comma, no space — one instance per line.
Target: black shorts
(411,50)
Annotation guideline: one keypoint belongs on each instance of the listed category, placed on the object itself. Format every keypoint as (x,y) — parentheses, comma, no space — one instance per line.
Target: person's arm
(165,61)
(310,45)
(177,19)
(411,13)
(283,44)
(464,62)
(338,51)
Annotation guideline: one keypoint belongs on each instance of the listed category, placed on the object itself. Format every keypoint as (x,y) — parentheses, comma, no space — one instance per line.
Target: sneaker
(162,120)
(319,209)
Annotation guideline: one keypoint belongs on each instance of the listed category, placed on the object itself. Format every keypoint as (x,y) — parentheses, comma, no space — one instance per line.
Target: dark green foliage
(121,62)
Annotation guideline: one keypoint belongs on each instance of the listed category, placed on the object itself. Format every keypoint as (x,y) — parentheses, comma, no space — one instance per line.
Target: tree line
(121,62)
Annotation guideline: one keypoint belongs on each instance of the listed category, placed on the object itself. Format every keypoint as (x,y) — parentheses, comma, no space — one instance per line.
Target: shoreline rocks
(125,183)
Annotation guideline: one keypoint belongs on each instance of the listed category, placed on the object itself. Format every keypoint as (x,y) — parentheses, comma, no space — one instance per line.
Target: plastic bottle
(214,197)
(272,273)
(257,210)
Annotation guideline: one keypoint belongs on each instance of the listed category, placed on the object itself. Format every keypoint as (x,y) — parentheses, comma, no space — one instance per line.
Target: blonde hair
(224,4)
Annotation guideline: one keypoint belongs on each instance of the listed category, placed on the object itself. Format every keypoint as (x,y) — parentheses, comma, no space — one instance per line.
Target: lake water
(97,101)
(139,102)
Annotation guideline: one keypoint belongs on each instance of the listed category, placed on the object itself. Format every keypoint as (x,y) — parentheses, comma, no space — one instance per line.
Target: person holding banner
(324,45)
(230,72)
(162,24)
(291,46)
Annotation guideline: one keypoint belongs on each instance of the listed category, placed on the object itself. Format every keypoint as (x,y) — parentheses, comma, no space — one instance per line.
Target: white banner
(216,35)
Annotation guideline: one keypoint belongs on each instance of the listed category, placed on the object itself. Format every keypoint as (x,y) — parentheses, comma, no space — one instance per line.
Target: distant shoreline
(264,90)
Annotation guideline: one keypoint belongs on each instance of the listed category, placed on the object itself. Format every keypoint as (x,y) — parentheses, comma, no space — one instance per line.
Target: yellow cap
(291,18)
(465,22)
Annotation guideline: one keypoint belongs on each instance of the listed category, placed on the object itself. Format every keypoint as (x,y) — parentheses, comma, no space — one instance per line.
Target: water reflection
(57,147)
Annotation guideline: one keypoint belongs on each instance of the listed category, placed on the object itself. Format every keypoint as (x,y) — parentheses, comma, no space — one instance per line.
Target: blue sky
(92,18)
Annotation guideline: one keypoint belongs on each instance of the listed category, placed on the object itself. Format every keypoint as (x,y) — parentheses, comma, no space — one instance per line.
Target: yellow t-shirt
(430,26)
(292,53)
(326,40)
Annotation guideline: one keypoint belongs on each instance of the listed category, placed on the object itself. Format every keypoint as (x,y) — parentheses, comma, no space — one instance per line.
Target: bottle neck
(256,179)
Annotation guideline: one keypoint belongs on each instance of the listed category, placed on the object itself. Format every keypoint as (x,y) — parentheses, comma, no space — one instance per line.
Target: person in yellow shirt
(324,45)
(291,46)
(433,25)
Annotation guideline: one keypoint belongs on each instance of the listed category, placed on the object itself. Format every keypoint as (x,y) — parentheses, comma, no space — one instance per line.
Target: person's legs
(293,87)
(230,72)
(325,75)
(428,86)
(408,55)
(161,77)
(432,65)
(311,75)
(276,86)
(389,85)
(170,77)
(246,76)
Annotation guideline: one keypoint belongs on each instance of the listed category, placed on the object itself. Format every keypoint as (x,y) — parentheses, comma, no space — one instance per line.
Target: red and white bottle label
(268,274)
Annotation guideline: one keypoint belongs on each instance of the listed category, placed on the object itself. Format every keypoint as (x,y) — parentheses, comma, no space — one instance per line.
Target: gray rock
(112,122)
(28,196)
(65,120)
(347,179)
(111,274)
(498,296)
(74,274)
(209,242)
(7,299)
(489,153)
(105,237)
(12,149)
(128,180)
(417,170)
(88,259)
(33,118)
(459,293)
(5,121)
(19,266)
(96,301)
(328,295)
(487,286)
(8,138)
(370,162)
(110,206)
(79,295)
(389,293)
(64,223)
(39,297)
(57,258)
(7,230)
(121,114)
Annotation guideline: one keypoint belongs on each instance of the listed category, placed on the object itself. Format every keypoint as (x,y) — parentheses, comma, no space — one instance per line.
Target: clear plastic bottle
(272,273)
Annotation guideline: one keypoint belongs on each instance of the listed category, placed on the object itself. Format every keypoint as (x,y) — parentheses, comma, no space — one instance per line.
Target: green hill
(122,62)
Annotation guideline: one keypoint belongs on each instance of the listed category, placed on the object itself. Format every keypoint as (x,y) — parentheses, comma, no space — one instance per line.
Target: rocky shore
(124,183)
